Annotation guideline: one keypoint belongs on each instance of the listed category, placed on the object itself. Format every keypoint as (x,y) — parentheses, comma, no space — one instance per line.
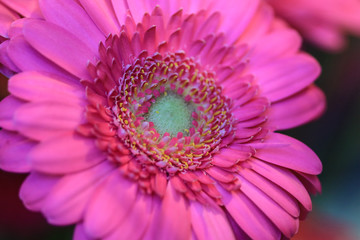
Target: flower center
(171,114)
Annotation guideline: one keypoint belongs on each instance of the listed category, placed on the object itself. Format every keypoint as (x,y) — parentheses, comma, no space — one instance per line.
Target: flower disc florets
(150,78)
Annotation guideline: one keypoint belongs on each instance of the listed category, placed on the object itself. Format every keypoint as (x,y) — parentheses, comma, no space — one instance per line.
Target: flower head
(156,120)
(323,22)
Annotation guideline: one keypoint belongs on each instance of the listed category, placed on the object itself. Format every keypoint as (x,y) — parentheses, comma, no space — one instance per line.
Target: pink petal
(210,25)
(249,111)
(300,70)
(160,184)
(259,26)
(193,236)
(150,39)
(236,19)
(286,223)
(220,174)
(67,200)
(13,152)
(35,189)
(249,218)
(27,58)
(137,221)
(97,9)
(6,18)
(281,43)
(293,154)
(110,205)
(228,157)
(8,107)
(49,87)
(284,179)
(326,36)
(120,10)
(79,233)
(7,64)
(16,27)
(223,162)
(69,153)
(173,217)
(69,15)
(210,222)
(137,10)
(273,191)
(245,133)
(297,109)
(44,120)
(28,8)
(311,183)
(59,46)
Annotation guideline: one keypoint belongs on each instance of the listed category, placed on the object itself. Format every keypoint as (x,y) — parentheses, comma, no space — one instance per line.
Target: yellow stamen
(209,108)
(203,98)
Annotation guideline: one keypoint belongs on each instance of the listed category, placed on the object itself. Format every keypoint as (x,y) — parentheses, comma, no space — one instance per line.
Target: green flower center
(170,113)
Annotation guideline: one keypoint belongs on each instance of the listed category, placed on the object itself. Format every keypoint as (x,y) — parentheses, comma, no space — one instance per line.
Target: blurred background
(335,137)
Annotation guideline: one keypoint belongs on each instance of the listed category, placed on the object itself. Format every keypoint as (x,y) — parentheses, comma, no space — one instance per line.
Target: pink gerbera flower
(11,10)
(323,22)
(156,119)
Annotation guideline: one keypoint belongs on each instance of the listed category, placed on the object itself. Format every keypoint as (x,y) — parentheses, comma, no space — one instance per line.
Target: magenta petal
(69,15)
(13,152)
(69,153)
(8,107)
(286,223)
(120,10)
(115,195)
(210,222)
(249,218)
(17,27)
(97,9)
(28,8)
(270,48)
(59,46)
(160,183)
(36,188)
(7,66)
(27,58)
(173,217)
(220,174)
(300,70)
(49,87)
(136,222)
(67,200)
(285,179)
(79,233)
(281,197)
(7,17)
(44,120)
(238,232)
(311,183)
(237,18)
(293,154)
(297,109)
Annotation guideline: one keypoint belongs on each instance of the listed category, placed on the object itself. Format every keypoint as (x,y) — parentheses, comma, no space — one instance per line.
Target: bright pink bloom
(323,22)
(78,119)
(11,10)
